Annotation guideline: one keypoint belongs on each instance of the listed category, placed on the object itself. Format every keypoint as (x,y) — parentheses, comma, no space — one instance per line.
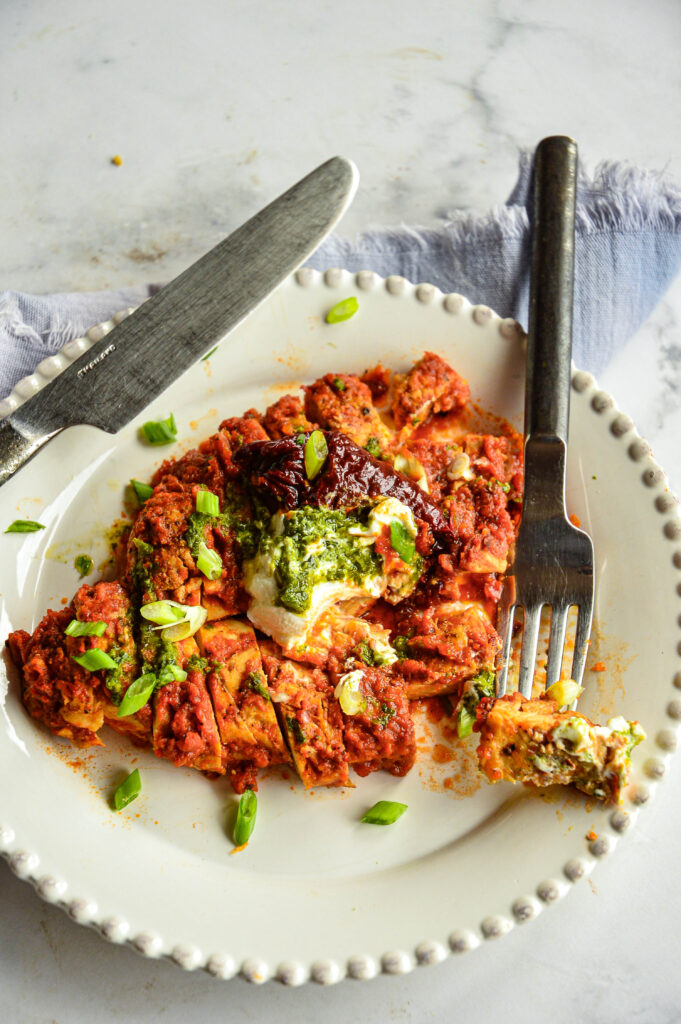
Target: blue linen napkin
(628,250)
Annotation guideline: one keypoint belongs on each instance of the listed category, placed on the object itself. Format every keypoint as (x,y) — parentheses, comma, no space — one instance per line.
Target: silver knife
(117,377)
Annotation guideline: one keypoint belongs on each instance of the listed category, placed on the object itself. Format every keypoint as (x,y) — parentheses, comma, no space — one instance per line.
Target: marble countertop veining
(214,108)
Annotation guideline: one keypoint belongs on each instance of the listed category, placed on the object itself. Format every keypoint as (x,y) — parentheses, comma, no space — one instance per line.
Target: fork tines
(581,598)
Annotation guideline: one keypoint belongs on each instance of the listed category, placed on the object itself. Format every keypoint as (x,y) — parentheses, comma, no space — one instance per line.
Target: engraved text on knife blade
(93,362)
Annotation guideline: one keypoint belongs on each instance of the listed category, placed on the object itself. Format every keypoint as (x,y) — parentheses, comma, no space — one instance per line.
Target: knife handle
(16,450)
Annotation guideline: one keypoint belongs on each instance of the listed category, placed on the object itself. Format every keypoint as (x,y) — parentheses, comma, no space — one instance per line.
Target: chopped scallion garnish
(316,450)
(94,659)
(208,562)
(177,621)
(160,431)
(128,790)
(245,818)
(349,693)
(24,526)
(402,541)
(195,618)
(342,310)
(77,628)
(83,564)
(137,694)
(209,354)
(142,490)
(207,503)
(385,812)
(163,613)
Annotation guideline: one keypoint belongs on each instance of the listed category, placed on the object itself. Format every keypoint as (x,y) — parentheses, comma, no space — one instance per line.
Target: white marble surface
(214,106)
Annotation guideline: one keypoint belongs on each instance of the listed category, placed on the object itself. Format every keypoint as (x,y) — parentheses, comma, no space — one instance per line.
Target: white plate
(317,895)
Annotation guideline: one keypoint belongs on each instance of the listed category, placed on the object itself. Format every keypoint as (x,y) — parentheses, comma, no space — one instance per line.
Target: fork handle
(549,343)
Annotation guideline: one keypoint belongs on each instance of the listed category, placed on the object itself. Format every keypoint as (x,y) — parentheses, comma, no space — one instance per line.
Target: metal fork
(553,562)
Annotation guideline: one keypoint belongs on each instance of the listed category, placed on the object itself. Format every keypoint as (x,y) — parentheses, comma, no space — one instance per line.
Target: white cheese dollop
(293,630)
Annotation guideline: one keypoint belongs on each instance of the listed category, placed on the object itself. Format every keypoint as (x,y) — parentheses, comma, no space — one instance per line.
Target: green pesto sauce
(113,680)
(157,654)
(315,546)
(166,654)
(197,664)
(401,647)
(248,517)
(256,683)
(387,712)
(117,531)
(83,564)
(148,644)
(196,530)
(295,729)
(141,571)
(365,653)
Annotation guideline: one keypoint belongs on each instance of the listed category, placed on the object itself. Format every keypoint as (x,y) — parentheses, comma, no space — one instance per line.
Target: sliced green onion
(94,659)
(164,613)
(208,562)
(77,628)
(160,431)
(24,526)
(137,694)
(83,564)
(402,541)
(316,450)
(339,385)
(412,468)
(464,722)
(209,354)
(245,818)
(143,491)
(177,621)
(172,674)
(196,616)
(349,694)
(385,812)
(208,503)
(128,790)
(342,310)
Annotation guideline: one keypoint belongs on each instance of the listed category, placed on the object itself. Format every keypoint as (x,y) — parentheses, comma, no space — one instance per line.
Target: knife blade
(117,377)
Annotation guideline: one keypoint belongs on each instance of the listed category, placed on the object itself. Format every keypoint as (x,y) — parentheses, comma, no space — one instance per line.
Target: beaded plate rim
(26,864)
